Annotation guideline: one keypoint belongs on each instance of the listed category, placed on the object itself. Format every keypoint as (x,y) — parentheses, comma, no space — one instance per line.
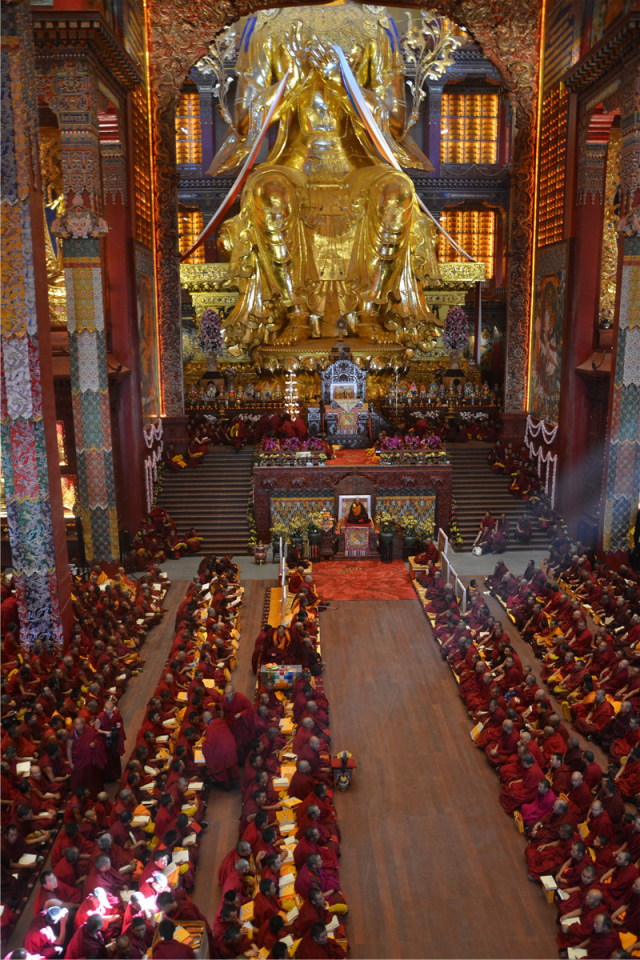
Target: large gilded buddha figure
(330,239)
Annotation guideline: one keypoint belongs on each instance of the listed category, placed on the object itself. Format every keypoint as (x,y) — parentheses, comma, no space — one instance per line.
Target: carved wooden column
(165,191)
(71,88)
(29,445)
(81,231)
(519,264)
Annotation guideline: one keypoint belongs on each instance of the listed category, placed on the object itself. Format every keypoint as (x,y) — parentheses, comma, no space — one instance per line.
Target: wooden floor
(431,866)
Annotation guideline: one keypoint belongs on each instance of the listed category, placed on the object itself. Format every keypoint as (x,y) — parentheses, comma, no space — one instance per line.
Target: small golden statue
(330,240)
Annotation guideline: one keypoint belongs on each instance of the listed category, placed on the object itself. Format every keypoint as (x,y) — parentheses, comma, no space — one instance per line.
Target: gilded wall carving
(179,34)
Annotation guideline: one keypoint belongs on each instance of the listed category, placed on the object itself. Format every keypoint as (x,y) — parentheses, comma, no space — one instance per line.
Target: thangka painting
(287,509)
(549,309)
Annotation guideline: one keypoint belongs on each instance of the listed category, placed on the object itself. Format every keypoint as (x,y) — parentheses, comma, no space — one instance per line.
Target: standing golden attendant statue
(329,240)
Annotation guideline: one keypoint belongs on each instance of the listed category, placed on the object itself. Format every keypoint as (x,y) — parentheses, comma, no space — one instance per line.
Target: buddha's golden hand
(298,58)
(324,60)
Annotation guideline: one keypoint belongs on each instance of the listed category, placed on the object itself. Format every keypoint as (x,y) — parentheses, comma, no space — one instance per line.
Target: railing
(283,581)
(443,542)
(449,572)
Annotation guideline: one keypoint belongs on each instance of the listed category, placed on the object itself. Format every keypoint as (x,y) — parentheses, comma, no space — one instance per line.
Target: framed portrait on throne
(344,391)
(345,504)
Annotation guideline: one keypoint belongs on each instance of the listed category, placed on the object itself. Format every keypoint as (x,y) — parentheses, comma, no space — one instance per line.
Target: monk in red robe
(524,789)
(317,945)
(220,751)
(619,881)
(81,754)
(46,932)
(169,949)
(428,555)
(238,714)
(88,940)
(266,903)
(546,858)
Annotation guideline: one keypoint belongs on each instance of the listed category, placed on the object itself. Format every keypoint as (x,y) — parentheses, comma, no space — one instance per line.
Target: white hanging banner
(547,461)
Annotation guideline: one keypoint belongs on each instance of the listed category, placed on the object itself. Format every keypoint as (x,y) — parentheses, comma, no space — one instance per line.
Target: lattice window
(474,231)
(190,225)
(469,128)
(553,152)
(188,134)
(141,166)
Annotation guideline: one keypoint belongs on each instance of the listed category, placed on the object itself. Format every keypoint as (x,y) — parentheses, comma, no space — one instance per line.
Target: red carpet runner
(363,580)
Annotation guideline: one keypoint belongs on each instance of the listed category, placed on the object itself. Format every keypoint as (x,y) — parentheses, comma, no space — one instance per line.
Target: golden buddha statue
(330,240)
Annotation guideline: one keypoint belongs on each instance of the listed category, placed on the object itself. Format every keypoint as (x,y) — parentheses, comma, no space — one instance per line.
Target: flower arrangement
(278,530)
(408,523)
(297,529)
(210,336)
(291,445)
(315,521)
(271,448)
(392,443)
(455,335)
(386,521)
(455,535)
(251,521)
(425,529)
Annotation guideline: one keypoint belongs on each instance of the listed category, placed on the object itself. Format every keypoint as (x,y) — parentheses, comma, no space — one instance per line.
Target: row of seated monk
(581,839)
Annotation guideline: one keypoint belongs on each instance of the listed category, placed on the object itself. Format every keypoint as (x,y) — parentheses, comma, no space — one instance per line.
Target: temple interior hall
(320,479)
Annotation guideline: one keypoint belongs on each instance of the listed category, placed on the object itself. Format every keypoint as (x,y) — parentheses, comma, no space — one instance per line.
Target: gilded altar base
(207,286)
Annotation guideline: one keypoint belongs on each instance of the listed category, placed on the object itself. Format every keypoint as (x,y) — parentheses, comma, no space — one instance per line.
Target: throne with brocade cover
(344,415)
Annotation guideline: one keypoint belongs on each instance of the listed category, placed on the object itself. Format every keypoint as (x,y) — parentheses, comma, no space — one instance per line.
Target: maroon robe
(172,950)
(524,791)
(84,944)
(308,949)
(220,752)
(84,772)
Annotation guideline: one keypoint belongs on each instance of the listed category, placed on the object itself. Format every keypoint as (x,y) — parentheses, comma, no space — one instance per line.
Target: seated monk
(173,460)
(167,947)
(316,944)
(485,533)
(429,555)
(357,513)
(296,580)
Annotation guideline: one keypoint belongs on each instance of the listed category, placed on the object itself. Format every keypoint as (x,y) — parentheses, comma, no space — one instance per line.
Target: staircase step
(213,498)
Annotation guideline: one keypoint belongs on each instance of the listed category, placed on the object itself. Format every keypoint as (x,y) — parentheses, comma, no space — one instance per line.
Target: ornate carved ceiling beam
(61,33)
